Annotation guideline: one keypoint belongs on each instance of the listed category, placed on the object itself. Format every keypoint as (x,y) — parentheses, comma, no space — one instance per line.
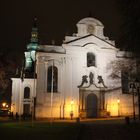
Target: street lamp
(71,112)
(133,87)
(136,86)
(3,104)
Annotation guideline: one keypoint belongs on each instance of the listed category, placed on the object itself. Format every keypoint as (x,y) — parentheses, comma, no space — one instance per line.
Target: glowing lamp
(3,104)
(118,101)
(72,102)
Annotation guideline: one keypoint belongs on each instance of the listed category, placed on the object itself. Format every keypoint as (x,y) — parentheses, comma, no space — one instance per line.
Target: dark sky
(55,19)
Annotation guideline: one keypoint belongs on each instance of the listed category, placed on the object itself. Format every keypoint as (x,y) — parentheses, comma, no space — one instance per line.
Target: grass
(110,129)
(40,131)
(95,130)
(116,131)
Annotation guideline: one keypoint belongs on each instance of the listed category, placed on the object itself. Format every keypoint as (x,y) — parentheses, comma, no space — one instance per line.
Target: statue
(91,76)
(101,81)
(84,80)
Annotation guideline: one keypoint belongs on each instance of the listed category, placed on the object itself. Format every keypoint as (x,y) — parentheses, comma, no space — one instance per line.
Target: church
(74,79)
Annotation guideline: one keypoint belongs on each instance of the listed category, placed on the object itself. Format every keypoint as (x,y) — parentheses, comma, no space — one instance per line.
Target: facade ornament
(91,81)
(84,80)
(91,77)
(101,81)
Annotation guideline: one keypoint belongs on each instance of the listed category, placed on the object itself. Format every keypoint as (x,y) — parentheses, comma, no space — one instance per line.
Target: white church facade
(74,79)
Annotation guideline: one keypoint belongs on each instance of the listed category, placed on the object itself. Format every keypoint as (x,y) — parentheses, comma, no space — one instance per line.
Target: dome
(90,20)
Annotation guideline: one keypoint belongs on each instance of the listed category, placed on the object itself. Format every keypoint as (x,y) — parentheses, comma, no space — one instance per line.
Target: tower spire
(90,14)
(34,37)
(34,33)
(35,22)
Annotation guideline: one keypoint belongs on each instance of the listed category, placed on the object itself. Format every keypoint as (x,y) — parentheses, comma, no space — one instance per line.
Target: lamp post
(52,80)
(132,86)
(138,92)
(134,115)
(136,86)
(71,112)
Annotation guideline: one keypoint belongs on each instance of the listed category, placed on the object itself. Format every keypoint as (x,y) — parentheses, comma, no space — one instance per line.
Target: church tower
(24,87)
(32,48)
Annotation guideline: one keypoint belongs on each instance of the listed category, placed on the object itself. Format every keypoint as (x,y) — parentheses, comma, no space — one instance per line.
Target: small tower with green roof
(32,48)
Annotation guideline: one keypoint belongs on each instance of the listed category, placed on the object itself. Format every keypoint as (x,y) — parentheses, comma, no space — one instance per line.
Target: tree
(123,69)
(120,65)
(8,65)
(130,29)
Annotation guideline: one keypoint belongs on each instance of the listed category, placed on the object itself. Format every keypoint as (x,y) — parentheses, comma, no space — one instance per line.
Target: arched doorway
(26,106)
(91,105)
(26,109)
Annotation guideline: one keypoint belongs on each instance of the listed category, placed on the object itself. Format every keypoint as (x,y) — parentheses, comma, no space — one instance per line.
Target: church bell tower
(32,48)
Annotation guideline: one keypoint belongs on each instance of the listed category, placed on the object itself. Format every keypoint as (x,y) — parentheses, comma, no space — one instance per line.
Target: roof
(90,20)
(51,49)
(88,36)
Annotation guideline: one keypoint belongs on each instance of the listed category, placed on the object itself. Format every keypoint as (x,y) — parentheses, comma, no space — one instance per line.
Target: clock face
(90,29)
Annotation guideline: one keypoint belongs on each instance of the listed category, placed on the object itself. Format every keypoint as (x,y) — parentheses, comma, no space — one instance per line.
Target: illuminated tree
(124,69)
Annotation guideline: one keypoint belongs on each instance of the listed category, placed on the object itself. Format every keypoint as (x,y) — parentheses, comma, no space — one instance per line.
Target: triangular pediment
(91,39)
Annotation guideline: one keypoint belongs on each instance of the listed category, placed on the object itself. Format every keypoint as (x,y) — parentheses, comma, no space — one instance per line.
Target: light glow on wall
(71,107)
(72,102)
(113,106)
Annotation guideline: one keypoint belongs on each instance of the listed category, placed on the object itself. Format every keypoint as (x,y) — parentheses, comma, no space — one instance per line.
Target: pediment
(91,39)
(92,87)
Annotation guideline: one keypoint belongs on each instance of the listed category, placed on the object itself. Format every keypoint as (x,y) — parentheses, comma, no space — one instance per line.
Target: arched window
(26,92)
(90,59)
(54,78)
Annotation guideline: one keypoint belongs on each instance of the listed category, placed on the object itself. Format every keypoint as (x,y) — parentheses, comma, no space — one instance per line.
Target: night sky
(56,18)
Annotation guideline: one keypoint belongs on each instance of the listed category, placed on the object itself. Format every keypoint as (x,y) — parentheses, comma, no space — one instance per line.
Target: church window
(125,82)
(90,59)
(52,75)
(26,93)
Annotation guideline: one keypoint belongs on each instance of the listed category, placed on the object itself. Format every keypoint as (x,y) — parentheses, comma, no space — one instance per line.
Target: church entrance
(91,105)
(26,109)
